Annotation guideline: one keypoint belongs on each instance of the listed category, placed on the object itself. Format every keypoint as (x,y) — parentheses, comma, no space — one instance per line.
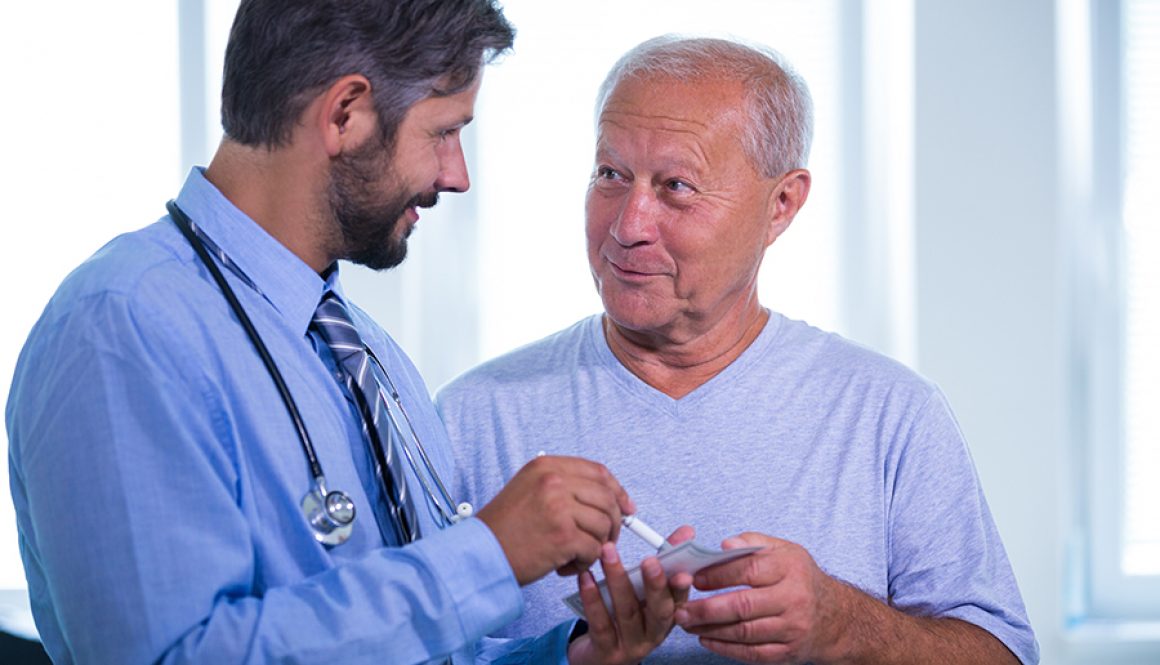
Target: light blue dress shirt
(157,476)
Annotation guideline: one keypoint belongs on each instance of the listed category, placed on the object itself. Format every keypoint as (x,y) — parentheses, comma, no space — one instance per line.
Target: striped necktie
(333,323)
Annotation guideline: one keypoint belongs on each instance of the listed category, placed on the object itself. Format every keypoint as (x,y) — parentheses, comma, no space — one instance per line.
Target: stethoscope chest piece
(330,514)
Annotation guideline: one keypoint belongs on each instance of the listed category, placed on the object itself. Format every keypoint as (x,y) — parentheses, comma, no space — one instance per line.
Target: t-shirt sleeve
(946,557)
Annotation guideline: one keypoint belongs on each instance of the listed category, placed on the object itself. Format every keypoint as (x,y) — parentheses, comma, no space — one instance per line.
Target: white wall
(991,296)
(989,325)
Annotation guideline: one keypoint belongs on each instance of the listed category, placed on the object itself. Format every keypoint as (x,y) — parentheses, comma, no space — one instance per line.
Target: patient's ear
(786,199)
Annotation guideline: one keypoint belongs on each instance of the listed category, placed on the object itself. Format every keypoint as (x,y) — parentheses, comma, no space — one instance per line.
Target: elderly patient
(844,466)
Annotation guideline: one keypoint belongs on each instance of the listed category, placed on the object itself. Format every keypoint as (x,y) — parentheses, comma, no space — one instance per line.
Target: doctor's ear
(345,115)
(786,199)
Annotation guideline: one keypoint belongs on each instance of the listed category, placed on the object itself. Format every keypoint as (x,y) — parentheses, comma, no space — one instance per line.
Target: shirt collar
(286,282)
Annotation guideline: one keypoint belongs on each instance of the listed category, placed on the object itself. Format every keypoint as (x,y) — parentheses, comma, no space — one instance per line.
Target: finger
(589,483)
(682,534)
(598,499)
(625,604)
(578,467)
(749,653)
(763,568)
(679,586)
(659,601)
(730,607)
(625,503)
(580,539)
(585,551)
(736,542)
(569,569)
(601,630)
(765,630)
(757,539)
(598,473)
(594,523)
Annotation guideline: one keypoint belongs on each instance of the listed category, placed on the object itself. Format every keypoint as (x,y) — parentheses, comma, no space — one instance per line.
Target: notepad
(688,557)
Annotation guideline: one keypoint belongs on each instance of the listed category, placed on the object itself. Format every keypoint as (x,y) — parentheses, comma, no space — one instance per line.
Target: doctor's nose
(453,175)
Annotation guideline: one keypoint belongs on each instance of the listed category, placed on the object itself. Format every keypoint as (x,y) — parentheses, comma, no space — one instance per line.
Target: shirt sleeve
(946,556)
(551,647)
(133,523)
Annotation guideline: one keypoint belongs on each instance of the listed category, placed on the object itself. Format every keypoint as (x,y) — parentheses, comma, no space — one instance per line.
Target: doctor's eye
(678,186)
(448,133)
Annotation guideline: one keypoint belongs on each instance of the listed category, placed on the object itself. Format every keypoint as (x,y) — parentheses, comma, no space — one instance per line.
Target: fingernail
(609,554)
(651,567)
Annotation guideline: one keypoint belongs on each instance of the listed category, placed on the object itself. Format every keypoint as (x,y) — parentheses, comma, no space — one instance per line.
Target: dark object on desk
(19,651)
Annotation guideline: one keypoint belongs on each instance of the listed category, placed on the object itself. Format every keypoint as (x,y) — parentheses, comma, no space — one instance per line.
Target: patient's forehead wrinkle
(610,115)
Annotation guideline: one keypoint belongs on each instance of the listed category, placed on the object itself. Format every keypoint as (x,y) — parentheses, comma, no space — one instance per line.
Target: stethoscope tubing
(449,516)
(185,225)
(449,513)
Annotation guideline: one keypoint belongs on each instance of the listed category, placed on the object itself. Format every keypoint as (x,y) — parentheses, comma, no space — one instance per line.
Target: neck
(677,368)
(280,192)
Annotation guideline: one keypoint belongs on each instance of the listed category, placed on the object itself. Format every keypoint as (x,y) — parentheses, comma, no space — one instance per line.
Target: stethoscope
(330,513)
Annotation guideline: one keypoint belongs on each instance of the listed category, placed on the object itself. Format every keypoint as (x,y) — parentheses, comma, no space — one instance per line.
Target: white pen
(645,532)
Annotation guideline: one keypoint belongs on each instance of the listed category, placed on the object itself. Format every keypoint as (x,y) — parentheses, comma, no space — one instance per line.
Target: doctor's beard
(369,220)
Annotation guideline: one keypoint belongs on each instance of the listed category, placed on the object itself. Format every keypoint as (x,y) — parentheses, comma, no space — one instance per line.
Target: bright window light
(1141,553)
(91,152)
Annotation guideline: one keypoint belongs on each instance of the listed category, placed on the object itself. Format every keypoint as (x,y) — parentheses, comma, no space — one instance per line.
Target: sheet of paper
(688,557)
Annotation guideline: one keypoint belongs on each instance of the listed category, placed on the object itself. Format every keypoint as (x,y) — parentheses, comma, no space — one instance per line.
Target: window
(1119,315)
(92,152)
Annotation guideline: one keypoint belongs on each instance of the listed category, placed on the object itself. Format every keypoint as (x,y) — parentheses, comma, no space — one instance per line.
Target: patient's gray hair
(779,127)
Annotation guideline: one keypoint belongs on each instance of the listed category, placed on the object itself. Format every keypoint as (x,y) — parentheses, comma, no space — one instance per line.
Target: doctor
(175,504)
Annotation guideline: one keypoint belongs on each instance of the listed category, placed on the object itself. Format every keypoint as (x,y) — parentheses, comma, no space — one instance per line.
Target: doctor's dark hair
(282,53)
(779,123)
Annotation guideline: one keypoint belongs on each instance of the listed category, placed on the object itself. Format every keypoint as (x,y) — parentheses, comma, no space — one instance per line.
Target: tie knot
(333,323)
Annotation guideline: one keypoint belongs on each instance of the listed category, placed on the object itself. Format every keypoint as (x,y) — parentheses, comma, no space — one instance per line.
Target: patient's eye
(607,173)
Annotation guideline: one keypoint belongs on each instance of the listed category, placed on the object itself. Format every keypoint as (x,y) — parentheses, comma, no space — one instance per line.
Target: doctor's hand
(635,627)
(789,614)
(555,514)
